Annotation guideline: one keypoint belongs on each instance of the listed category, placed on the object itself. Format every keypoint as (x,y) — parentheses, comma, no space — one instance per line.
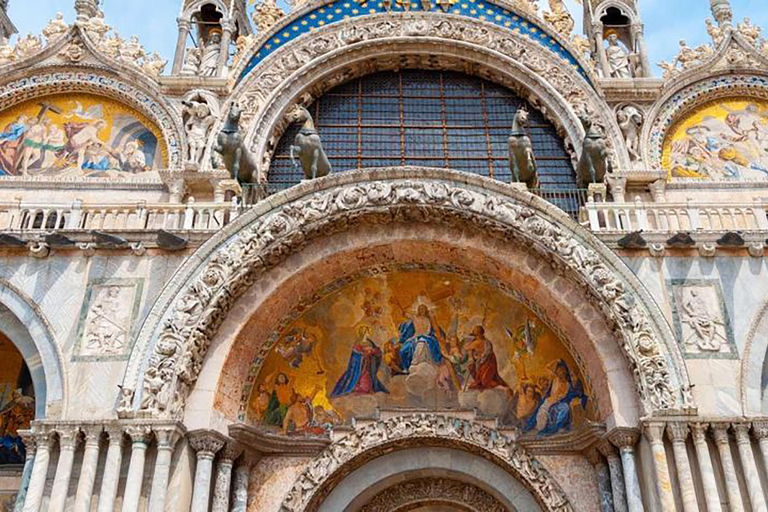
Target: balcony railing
(674,217)
(24,217)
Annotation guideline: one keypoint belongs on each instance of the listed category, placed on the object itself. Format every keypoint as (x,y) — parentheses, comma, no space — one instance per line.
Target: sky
(154,21)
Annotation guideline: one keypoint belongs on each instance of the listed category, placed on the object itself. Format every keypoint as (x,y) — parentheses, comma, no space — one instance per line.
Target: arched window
(430,119)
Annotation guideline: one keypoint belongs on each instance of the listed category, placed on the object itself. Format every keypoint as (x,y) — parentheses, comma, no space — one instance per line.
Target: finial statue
(522,164)
(722,12)
(307,146)
(595,161)
(229,151)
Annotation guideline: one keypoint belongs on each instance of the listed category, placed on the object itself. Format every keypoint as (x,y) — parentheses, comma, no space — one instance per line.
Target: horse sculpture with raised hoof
(522,164)
(595,161)
(229,151)
(307,146)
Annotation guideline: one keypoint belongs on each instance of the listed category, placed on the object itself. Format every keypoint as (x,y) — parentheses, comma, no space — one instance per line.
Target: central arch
(175,338)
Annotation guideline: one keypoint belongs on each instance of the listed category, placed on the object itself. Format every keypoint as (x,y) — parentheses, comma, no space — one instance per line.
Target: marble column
(678,435)
(68,439)
(749,467)
(602,57)
(181,45)
(88,468)
(223,484)
(617,478)
(625,440)
(44,441)
(111,476)
(140,438)
(642,49)
(654,432)
(760,430)
(26,474)
(720,433)
(226,38)
(166,441)
(242,478)
(205,443)
(603,478)
(699,433)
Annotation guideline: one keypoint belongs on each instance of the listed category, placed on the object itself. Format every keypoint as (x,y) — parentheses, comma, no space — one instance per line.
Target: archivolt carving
(372,438)
(262,239)
(341,51)
(412,493)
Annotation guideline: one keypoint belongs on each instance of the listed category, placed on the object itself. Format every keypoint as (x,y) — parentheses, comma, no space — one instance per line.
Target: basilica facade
(377,255)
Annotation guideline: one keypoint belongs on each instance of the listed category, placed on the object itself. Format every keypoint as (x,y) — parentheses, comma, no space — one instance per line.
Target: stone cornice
(265,443)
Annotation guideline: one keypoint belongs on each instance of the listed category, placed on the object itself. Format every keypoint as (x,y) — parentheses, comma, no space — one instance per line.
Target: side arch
(24,324)
(173,342)
(752,364)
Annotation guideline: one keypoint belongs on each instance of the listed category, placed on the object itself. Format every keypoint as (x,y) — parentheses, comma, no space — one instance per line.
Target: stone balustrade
(23,217)
(673,217)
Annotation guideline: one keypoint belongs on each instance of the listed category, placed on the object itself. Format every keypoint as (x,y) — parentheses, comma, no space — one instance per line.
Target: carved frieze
(197,311)
(413,493)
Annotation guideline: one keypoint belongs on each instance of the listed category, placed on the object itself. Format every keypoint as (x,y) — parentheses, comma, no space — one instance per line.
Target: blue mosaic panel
(342,10)
(429,119)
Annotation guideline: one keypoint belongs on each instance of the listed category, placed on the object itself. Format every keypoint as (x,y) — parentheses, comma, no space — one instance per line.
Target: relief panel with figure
(726,139)
(416,339)
(78,135)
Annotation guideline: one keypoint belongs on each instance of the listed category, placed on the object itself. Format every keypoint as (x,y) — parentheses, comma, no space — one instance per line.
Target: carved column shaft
(88,470)
(678,433)
(44,442)
(181,46)
(602,57)
(67,444)
(699,432)
(240,486)
(760,430)
(205,444)
(617,478)
(26,474)
(140,437)
(655,435)
(749,467)
(226,39)
(224,477)
(111,476)
(603,479)
(166,440)
(729,470)
(625,440)
(642,49)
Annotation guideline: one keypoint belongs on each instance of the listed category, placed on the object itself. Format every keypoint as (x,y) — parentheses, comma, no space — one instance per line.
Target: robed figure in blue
(417,331)
(554,413)
(361,376)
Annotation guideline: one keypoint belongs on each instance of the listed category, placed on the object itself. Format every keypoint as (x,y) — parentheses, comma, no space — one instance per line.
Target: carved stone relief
(702,323)
(412,493)
(373,438)
(199,307)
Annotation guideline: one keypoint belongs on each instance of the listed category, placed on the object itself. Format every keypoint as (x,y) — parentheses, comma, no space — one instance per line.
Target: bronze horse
(307,146)
(522,164)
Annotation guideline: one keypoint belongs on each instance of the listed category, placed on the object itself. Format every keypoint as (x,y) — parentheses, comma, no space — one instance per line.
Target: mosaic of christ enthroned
(78,135)
(417,339)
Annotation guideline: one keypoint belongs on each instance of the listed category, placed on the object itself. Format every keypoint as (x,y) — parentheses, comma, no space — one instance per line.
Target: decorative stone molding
(699,431)
(336,53)
(373,438)
(412,493)
(139,434)
(190,311)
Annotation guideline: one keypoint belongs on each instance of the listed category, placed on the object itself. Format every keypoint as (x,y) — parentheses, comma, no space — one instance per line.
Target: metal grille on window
(429,119)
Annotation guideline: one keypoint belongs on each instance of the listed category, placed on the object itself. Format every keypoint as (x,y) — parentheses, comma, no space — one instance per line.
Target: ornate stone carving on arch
(752,363)
(443,491)
(693,91)
(370,440)
(53,72)
(168,354)
(26,326)
(341,51)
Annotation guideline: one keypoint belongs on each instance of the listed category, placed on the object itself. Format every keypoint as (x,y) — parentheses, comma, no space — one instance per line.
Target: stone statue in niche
(198,120)
(191,63)
(209,59)
(618,58)
(229,151)
(595,160)
(630,121)
(308,146)
(521,161)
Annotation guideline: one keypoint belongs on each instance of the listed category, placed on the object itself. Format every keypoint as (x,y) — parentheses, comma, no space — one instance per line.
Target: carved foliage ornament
(379,434)
(183,338)
(412,493)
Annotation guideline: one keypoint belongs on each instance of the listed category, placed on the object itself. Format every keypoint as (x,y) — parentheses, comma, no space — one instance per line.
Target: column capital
(68,437)
(605,447)
(741,430)
(654,431)
(720,432)
(115,434)
(677,431)
(92,434)
(139,434)
(183,23)
(760,429)
(699,432)
(206,442)
(624,437)
(231,451)
(30,443)
(167,437)
(44,438)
